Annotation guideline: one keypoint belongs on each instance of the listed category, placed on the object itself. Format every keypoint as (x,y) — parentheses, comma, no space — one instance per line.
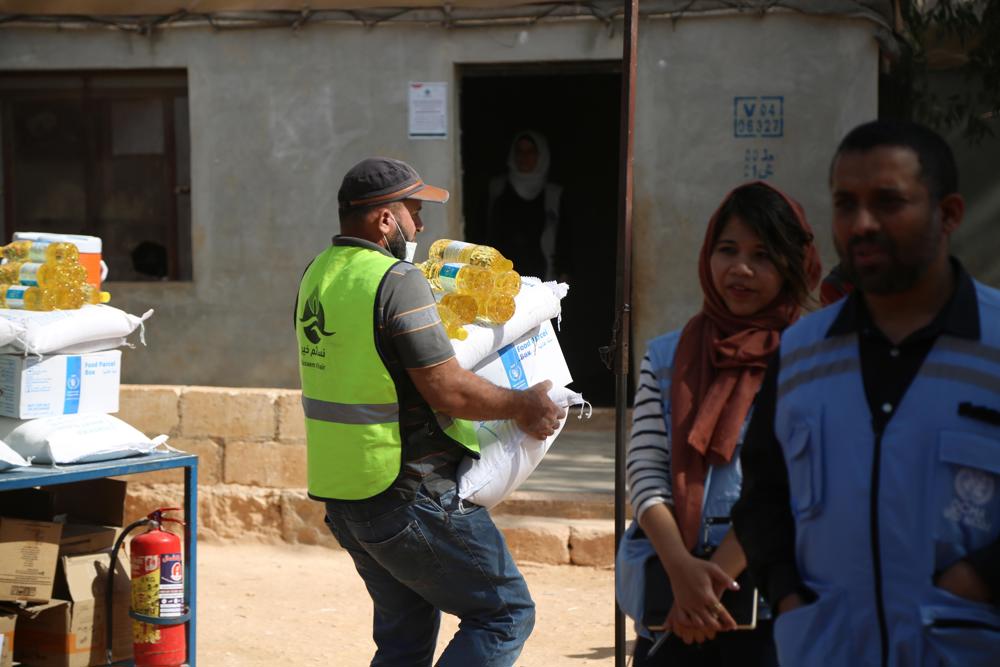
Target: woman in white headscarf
(525,211)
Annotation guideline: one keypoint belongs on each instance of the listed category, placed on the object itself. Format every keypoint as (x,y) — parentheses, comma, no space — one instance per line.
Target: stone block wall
(252,476)
(251,460)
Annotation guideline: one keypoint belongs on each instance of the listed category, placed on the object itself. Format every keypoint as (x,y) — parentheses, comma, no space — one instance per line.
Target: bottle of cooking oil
(495,308)
(25,297)
(446,250)
(32,274)
(457,277)
(452,326)
(70,273)
(507,282)
(41,251)
(93,295)
(464,306)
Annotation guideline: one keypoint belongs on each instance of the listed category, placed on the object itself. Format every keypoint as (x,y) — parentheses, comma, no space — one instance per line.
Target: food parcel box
(60,384)
(70,631)
(28,554)
(533,357)
(8,618)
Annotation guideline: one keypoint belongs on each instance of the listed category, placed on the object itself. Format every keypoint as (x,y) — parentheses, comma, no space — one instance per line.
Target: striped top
(647,463)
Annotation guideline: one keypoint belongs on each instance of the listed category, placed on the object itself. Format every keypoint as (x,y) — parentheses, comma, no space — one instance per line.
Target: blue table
(23,478)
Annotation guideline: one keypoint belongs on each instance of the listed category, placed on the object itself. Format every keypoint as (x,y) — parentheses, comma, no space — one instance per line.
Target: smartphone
(741,604)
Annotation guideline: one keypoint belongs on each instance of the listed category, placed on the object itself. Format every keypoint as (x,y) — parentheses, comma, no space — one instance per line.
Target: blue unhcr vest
(722,486)
(876,515)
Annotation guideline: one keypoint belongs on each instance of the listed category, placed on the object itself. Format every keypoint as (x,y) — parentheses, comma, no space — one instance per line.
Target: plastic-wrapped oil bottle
(25,297)
(32,274)
(507,282)
(457,277)
(41,251)
(496,308)
(464,306)
(452,326)
(446,250)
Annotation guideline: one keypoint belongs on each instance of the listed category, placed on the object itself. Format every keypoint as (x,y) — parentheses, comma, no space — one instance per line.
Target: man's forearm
(468,396)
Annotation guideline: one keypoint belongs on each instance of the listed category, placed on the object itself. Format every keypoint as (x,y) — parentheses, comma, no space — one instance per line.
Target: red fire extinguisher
(158,610)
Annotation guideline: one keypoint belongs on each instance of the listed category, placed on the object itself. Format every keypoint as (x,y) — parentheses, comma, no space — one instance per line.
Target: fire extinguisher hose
(109,596)
(155,517)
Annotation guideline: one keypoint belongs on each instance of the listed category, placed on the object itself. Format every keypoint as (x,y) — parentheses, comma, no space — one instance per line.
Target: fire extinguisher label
(171,586)
(145,597)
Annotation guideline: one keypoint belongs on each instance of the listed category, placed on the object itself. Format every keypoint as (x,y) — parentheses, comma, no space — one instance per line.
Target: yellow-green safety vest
(354,448)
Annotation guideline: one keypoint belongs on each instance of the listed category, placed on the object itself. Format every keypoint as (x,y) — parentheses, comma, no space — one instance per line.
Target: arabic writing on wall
(759,117)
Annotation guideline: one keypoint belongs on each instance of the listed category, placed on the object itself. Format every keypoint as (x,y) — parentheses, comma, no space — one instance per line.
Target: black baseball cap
(380,180)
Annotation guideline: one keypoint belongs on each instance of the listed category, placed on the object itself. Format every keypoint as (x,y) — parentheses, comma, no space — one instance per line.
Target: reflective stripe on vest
(346,413)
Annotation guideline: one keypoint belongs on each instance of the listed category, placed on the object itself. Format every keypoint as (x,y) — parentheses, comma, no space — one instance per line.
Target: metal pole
(623,283)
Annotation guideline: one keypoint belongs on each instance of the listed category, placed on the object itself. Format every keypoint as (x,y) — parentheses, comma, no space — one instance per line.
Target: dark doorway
(576,107)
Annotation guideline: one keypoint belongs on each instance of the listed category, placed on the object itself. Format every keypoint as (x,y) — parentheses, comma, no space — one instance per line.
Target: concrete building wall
(277,116)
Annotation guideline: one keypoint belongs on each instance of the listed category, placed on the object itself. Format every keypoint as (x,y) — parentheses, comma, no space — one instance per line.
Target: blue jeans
(424,556)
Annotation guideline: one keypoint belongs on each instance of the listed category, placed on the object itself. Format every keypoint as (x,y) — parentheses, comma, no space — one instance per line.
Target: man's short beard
(901,274)
(397,245)
(894,280)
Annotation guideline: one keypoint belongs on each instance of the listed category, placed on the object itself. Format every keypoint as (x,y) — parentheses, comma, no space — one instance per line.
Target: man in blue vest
(870,513)
(385,403)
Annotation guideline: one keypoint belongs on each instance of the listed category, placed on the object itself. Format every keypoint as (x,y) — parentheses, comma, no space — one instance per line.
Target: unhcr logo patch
(313,319)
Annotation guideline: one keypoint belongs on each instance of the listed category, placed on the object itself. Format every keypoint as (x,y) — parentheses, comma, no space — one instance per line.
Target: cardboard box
(31,504)
(83,538)
(59,384)
(96,501)
(7,621)
(29,551)
(71,632)
(533,357)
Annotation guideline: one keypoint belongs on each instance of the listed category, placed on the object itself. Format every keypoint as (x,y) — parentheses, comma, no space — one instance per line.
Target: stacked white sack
(507,456)
(75,438)
(92,328)
(10,331)
(9,458)
(534,304)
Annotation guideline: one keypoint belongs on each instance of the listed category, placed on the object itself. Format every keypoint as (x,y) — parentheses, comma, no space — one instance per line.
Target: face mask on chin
(405,251)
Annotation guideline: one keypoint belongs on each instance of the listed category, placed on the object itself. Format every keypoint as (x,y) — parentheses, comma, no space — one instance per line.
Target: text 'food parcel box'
(71,632)
(533,357)
(60,384)
(7,621)
(29,551)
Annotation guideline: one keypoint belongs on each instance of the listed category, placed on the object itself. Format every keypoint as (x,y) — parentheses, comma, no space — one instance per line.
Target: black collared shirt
(762,518)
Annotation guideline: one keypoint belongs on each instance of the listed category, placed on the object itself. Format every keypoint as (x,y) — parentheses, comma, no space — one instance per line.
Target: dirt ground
(262,605)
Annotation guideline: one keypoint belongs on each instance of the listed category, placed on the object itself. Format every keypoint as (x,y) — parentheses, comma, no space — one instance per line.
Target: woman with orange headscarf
(696,391)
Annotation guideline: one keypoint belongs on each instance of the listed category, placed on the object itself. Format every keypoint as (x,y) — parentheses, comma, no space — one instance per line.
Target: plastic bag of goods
(507,456)
(537,302)
(9,458)
(91,328)
(75,438)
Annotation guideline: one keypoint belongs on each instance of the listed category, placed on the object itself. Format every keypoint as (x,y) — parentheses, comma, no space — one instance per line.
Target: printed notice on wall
(428,110)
